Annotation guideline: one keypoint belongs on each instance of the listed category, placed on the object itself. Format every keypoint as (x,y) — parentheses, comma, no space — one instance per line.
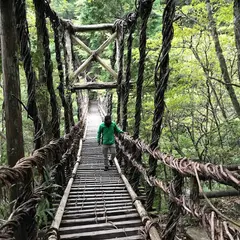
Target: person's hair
(107,120)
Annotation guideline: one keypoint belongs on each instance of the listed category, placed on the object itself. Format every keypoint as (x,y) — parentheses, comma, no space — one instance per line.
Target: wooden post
(174,210)
(120,63)
(92,27)
(109,103)
(69,63)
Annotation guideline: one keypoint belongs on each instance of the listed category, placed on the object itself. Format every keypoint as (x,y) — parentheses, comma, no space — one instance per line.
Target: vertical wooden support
(109,103)
(134,175)
(120,52)
(194,194)
(174,210)
(69,73)
(79,103)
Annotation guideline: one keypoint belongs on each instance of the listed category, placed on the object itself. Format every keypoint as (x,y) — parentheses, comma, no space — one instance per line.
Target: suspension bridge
(118,203)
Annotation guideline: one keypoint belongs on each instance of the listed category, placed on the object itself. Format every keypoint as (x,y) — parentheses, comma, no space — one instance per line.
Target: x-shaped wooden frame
(94,55)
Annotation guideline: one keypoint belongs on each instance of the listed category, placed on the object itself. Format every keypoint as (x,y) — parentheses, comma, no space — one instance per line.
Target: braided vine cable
(25,51)
(120,26)
(131,20)
(43,31)
(161,80)
(144,10)
(57,25)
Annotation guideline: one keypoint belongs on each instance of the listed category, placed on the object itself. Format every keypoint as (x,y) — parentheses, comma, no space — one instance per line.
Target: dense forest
(202,102)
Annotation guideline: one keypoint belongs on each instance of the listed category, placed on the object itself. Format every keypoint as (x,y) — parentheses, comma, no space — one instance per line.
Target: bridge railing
(58,156)
(180,203)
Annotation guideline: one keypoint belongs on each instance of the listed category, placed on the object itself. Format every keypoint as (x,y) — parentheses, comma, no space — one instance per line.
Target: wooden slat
(91,208)
(105,198)
(97,195)
(115,212)
(128,238)
(96,235)
(92,27)
(100,226)
(106,85)
(99,219)
(96,205)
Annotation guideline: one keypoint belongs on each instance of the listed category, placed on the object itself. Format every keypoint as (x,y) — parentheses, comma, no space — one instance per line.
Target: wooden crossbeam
(93,27)
(95,55)
(106,85)
(83,66)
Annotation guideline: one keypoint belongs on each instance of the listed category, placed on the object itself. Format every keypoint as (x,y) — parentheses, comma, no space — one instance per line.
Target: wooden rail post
(174,210)
(69,73)
(120,57)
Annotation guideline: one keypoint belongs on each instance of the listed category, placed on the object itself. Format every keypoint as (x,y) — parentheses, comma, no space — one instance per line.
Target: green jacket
(105,134)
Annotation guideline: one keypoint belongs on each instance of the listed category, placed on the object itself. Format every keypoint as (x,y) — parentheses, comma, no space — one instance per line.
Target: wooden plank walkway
(99,206)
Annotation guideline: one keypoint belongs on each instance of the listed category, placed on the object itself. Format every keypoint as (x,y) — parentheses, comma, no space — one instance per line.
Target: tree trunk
(236,10)
(10,68)
(221,59)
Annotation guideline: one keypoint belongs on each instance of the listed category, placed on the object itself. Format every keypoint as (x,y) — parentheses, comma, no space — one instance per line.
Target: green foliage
(94,11)
(45,211)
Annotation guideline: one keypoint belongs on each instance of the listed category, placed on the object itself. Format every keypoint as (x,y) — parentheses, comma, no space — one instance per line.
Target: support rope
(161,80)
(25,50)
(144,10)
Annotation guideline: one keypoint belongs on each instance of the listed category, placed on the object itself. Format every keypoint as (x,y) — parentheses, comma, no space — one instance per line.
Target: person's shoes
(106,168)
(111,163)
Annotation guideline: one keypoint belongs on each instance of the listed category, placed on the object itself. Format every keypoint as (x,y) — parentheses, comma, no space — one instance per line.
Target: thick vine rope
(25,50)
(58,26)
(144,10)
(161,80)
(43,31)
(131,20)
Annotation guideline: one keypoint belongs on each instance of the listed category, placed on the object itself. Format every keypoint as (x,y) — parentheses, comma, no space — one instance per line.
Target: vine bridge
(119,204)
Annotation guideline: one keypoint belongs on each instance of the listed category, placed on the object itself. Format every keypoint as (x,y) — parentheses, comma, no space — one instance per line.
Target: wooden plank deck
(99,206)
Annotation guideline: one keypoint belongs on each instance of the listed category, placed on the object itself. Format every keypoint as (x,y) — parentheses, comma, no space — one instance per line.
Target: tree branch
(233,84)
(23,106)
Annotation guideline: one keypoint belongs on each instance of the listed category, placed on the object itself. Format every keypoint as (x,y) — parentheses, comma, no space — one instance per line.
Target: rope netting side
(216,224)
(60,155)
